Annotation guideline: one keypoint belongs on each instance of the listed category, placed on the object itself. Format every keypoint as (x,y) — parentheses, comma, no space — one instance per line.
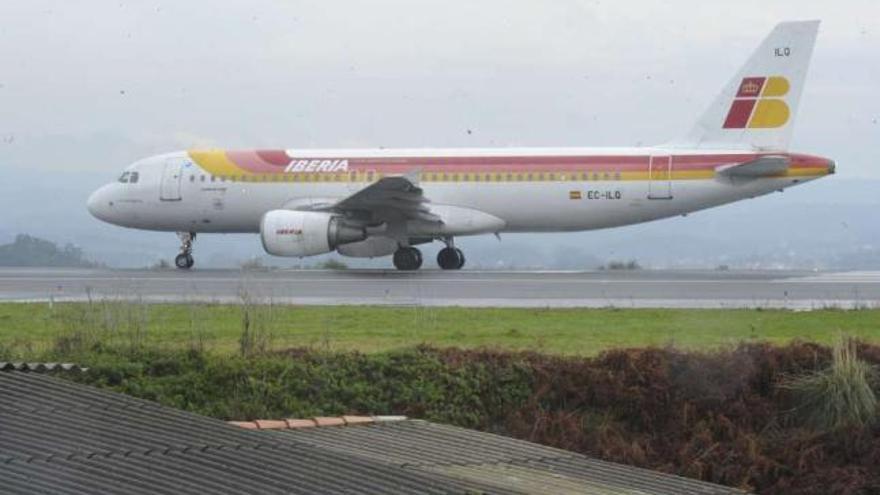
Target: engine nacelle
(305,233)
(371,247)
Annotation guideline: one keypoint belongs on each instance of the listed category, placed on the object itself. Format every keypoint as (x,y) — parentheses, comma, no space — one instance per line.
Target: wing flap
(396,196)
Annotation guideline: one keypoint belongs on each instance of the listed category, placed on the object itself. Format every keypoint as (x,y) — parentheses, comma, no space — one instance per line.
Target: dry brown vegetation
(719,417)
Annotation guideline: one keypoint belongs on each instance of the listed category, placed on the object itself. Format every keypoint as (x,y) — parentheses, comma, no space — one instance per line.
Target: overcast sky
(90,85)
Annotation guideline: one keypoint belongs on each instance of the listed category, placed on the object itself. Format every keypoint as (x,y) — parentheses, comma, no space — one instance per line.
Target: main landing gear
(185,260)
(450,258)
(407,259)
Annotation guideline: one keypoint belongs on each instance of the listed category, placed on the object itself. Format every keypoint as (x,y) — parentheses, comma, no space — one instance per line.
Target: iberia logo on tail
(759,104)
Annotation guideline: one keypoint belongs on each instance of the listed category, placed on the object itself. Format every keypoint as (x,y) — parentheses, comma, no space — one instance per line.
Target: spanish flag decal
(759,104)
(574,195)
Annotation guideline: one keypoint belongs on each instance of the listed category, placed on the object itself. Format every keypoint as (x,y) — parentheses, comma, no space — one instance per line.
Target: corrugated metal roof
(505,464)
(61,437)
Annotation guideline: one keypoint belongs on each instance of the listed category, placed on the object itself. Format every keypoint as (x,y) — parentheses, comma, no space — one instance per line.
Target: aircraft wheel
(407,259)
(184,261)
(450,258)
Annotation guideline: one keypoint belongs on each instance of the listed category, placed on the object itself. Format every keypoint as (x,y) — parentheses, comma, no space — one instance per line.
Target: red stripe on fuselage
(274,160)
(613,163)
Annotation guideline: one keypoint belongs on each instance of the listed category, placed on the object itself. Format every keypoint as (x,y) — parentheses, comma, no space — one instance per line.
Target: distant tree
(622,265)
(333,264)
(27,250)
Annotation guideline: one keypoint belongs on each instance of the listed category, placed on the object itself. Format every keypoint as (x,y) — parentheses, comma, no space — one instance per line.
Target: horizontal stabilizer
(765,166)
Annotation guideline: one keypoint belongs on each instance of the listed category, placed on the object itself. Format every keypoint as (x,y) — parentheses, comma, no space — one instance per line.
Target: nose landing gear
(185,260)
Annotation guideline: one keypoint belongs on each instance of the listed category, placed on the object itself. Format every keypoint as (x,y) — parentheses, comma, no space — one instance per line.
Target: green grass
(27,329)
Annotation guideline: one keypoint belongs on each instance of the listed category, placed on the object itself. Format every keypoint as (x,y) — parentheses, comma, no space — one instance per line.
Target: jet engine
(306,233)
(372,247)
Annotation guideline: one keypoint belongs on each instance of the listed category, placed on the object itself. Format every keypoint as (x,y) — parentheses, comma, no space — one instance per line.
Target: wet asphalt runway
(644,288)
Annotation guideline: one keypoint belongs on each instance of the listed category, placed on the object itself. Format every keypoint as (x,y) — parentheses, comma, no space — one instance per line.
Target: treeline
(27,250)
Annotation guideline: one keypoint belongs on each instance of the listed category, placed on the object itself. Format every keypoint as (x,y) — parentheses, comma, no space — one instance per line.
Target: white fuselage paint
(545,206)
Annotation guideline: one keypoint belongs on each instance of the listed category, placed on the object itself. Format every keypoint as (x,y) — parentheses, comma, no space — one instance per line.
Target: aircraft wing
(389,198)
(764,166)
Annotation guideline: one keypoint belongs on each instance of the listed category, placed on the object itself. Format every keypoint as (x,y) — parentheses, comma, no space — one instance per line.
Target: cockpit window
(133,178)
(124,177)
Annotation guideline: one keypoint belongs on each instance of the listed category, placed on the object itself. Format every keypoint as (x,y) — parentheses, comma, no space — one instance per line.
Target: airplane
(381,202)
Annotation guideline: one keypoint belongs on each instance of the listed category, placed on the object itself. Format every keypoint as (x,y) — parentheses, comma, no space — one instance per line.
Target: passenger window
(192,178)
(202,177)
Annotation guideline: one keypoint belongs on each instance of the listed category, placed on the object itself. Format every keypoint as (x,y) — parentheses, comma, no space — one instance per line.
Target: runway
(624,289)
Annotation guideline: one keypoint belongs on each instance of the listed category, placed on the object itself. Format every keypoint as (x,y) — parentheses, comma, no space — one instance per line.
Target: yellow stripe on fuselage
(807,172)
(215,162)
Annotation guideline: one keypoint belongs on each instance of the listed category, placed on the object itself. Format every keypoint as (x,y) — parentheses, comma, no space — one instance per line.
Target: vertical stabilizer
(757,108)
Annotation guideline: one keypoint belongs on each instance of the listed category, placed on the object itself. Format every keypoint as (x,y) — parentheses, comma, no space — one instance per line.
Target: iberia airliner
(380,202)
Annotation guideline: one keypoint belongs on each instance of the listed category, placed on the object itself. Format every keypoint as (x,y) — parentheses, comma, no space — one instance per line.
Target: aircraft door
(172,176)
(660,177)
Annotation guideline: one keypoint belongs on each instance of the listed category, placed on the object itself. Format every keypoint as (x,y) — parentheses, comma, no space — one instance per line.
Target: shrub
(624,265)
(333,264)
(837,396)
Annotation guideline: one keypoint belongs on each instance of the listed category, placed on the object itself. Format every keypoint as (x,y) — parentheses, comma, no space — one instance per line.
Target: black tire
(460,258)
(184,261)
(407,259)
(449,259)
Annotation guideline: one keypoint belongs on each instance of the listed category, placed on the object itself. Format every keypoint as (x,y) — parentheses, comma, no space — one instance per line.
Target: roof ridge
(316,421)
(39,367)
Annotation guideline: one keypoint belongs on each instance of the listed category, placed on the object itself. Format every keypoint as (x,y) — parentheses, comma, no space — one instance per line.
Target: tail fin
(756,109)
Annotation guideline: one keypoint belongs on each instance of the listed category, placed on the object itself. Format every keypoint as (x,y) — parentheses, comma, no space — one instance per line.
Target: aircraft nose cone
(92,204)
(98,204)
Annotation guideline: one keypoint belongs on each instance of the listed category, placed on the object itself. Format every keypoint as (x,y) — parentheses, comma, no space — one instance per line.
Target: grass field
(30,329)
